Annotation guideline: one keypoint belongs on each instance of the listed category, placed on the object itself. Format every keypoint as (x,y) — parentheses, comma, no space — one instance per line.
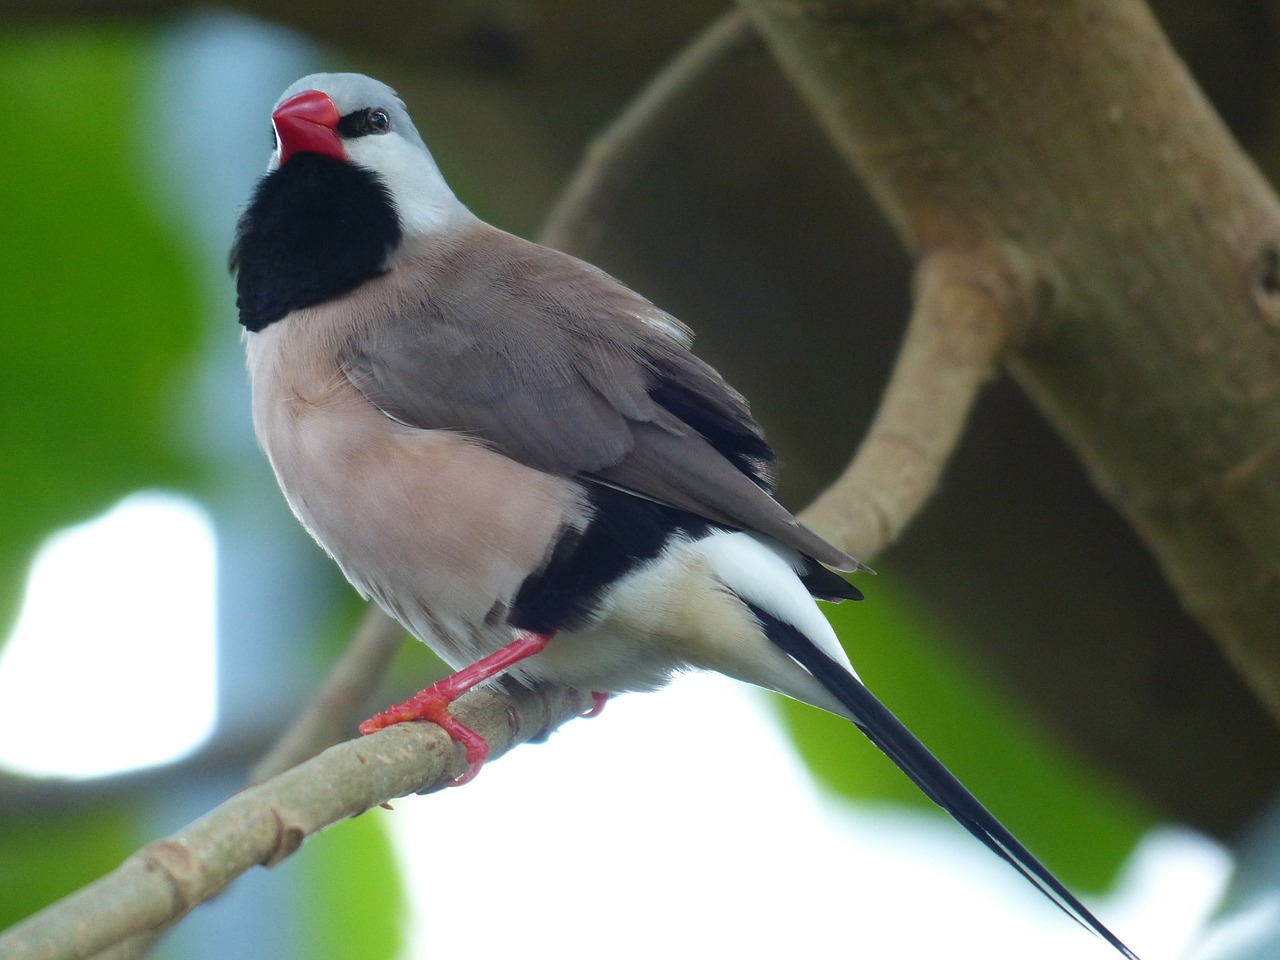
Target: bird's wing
(562,368)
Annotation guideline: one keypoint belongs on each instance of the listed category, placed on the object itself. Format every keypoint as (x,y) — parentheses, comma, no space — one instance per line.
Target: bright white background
(680,823)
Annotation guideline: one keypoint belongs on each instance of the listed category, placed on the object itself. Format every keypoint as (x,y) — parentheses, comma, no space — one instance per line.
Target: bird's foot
(600,700)
(434,702)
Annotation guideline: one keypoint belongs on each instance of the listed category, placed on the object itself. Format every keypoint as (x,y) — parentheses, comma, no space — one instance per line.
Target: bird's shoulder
(561,367)
(485,326)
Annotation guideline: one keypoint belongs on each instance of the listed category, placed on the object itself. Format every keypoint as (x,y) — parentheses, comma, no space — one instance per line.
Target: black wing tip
(844,563)
(816,547)
(824,584)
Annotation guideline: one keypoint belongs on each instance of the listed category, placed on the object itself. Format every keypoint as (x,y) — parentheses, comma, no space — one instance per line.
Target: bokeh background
(165,616)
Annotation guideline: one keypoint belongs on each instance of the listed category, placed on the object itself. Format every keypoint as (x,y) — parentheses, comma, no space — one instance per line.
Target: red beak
(308,123)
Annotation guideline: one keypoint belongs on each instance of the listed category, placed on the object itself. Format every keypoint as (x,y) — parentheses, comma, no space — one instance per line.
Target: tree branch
(131,948)
(333,712)
(1153,349)
(965,306)
(265,824)
(619,156)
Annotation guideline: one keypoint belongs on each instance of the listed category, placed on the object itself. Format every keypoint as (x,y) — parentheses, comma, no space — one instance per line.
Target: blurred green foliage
(100,323)
(100,310)
(353,899)
(100,317)
(45,854)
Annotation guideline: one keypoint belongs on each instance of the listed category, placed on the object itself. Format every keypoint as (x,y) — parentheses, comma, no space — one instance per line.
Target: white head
(355,118)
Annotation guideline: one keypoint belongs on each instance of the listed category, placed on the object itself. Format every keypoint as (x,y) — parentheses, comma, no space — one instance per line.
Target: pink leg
(433,703)
(600,700)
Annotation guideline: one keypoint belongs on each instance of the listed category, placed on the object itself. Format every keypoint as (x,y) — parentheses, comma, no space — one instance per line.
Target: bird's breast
(436,526)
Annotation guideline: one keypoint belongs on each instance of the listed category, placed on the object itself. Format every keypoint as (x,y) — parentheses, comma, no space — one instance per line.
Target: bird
(519,458)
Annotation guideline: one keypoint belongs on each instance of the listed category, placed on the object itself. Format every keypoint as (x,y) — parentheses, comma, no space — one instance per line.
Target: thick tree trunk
(1068,138)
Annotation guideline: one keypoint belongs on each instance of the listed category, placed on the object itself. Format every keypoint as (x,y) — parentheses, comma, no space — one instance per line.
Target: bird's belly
(439,529)
(672,613)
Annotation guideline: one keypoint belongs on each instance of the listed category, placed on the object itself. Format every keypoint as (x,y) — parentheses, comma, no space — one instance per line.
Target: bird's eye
(361,123)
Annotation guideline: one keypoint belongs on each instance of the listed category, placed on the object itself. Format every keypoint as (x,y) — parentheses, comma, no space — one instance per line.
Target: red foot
(600,699)
(433,703)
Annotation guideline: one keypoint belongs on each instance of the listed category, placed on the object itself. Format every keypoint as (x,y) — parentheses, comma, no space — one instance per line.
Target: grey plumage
(555,363)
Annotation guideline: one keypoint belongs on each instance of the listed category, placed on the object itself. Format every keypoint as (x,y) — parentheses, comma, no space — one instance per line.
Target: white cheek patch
(422,199)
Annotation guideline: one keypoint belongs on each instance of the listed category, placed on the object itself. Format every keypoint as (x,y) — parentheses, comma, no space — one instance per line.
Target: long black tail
(925,770)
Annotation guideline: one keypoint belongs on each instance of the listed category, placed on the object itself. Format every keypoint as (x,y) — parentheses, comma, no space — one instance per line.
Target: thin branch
(161,883)
(133,947)
(615,160)
(331,715)
(954,341)
(956,335)
(328,719)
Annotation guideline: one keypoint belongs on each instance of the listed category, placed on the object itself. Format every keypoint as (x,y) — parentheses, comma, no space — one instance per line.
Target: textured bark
(264,824)
(1070,133)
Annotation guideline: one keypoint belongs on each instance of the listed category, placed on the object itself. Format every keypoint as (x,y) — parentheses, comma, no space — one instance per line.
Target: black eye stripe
(361,123)
(350,125)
